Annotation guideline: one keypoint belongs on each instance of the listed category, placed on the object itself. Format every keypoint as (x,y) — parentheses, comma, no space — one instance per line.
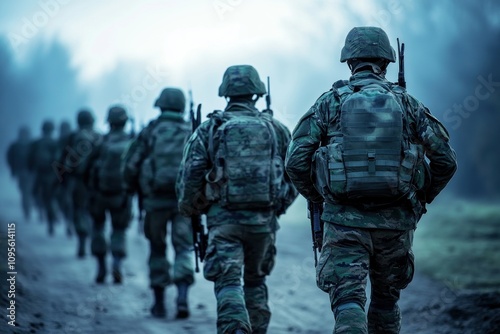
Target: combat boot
(158,310)
(182,303)
(117,274)
(101,269)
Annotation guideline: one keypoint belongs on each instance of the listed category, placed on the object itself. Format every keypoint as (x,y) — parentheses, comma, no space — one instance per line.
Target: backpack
(80,146)
(247,171)
(108,167)
(166,145)
(44,154)
(369,158)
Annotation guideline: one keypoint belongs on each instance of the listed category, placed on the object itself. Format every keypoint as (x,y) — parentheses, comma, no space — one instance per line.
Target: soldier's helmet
(241,80)
(117,115)
(171,99)
(85,118)
(47,127)
(367,42)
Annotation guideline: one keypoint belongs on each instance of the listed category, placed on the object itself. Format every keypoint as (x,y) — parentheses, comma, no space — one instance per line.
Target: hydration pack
(166,144)
(109,174)
(247,171)
(369,157)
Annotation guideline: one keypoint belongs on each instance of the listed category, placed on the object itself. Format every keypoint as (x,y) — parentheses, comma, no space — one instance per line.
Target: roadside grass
(458,243)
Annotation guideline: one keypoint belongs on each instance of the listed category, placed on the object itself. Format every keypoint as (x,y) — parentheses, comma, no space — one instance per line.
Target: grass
(458,242)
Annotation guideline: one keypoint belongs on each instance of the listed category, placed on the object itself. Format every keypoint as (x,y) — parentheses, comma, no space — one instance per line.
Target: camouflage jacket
(90,177)
(135,156)
(311,132)
(17,156)
(43,152)
(195,165)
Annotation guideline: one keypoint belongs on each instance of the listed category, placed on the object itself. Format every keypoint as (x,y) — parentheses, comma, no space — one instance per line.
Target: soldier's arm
(132,160)
(435,139)
(10,158)
(191,177)
(306,138)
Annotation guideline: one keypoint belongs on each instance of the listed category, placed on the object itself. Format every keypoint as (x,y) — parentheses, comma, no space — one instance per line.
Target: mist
(451,50)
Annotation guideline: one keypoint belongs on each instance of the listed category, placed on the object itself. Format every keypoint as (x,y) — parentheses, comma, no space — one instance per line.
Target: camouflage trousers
(44,189)
(64,202)
(80,198)
(155,229)
(348,257)
(25,185)
(120,210)
(235,251)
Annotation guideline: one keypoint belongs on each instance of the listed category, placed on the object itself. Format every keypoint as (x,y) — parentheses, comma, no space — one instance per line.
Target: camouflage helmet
(367,42)
(117,115)
(47,127)
(171,99)
(85,118)
(241,80)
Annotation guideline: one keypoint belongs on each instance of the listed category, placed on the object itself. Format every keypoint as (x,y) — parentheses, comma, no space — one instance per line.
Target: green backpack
(166,145)
(247,170)
(369,157)
(109,174)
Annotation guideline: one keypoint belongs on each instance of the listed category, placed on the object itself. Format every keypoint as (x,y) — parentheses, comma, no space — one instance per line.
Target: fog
(59,56)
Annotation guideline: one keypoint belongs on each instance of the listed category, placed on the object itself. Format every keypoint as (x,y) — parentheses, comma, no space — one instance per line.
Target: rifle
(200,236)
(268,99)
(314,214)
(401,57)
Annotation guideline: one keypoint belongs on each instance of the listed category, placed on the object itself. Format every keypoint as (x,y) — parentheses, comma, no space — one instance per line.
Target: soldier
(17,159)
(74,161)
(108,194)
(150,168)
(232,170)
(62,193)
(43,152)
(361,148)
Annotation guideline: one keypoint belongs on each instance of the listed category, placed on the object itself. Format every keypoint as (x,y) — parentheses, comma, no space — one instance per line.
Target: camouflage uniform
(161,208)
(360,242)
(17,159)
(43,152)
(115,201)
(62,193)
(71,169)
(241,242)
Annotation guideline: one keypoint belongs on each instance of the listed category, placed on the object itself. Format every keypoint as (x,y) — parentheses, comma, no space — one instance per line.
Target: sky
(66,54)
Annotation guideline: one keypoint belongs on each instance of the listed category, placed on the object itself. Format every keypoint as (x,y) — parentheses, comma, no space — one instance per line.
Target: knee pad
(347,306)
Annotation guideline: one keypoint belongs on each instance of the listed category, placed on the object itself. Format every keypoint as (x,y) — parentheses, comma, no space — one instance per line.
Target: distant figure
(43,152)
(63,194)
(17,159)
(108,195)
(150,168)
(74,160)
(361,148)
(234,164)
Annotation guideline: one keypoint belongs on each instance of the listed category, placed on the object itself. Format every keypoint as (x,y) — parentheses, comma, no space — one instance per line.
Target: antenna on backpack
(401,58)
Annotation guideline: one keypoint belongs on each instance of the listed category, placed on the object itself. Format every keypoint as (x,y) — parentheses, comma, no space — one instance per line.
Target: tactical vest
(159,170)
(109,176)
(247,171)
(369,157)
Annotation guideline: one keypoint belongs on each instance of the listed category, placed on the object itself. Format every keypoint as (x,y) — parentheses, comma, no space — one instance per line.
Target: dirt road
(55,292)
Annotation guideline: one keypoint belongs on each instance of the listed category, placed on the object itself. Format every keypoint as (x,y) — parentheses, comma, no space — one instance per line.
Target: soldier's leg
(48,197)
(259,260)
(120,221)
(98,244)
(155,230)
(223,266)
(25,183)
(391,271)
(81,217)
(342,271)
(183,274)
